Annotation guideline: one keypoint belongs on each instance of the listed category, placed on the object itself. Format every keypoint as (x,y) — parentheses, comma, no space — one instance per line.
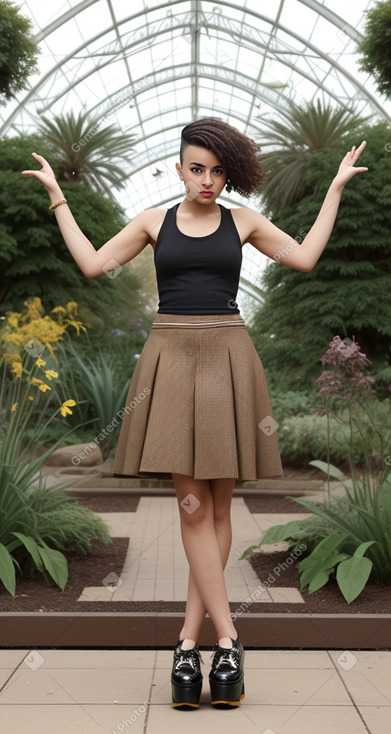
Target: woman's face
(203,174)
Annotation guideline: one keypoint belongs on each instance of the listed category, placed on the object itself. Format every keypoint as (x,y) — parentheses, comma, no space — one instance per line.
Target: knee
(222,514)
(194,513)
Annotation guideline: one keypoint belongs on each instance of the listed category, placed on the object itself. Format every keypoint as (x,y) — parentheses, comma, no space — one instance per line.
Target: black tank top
(198,275)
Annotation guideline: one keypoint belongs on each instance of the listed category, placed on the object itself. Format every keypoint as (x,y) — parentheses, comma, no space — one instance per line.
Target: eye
(195,169)
(218,171)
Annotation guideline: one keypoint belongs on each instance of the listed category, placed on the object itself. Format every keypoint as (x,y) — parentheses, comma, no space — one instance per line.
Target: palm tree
(303,131)
(85,151)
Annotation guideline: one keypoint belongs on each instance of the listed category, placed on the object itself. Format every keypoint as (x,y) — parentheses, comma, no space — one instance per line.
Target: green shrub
(32,514)
(100,393)
(290,403)
(348,535)
(72,527)
(341,530)
(303,438)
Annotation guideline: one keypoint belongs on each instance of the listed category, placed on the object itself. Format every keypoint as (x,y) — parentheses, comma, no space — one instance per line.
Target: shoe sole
(186,697)
(220,695)
(185,705)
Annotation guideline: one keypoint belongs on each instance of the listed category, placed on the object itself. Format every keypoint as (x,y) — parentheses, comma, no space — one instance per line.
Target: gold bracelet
(57,203)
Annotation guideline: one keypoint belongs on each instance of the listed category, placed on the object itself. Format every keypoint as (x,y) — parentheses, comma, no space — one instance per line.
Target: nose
(207,178)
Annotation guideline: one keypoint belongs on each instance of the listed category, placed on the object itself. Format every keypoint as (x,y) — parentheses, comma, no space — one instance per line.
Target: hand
(45,175)
(347,169)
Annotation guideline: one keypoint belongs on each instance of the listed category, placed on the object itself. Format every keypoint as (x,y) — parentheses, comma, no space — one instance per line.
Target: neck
(193,207)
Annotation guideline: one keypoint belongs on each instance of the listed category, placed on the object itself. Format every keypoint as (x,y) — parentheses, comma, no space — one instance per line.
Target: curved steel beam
(190,17)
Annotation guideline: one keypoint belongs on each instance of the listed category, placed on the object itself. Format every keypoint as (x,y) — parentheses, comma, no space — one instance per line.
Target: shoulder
(247,221)
(245,214)
(154,213)
(150,221)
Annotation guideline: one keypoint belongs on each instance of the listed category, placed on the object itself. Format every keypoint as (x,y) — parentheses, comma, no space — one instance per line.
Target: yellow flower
(44,387)
(76,325)
(17,369)
(14,407)
(51,373)
(13,319)
(34,308)
(30,397)
(33,326)
(41,384)
(64,408)
(72,307)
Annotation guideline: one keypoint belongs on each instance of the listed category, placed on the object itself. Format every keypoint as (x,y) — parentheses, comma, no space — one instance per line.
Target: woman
(198,408)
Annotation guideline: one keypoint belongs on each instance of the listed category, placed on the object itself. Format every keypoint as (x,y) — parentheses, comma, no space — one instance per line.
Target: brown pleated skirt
(198,404)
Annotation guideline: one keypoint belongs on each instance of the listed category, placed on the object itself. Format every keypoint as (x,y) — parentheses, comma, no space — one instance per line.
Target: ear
(179,170)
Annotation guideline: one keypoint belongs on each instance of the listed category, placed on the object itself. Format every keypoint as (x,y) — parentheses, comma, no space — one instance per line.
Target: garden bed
(34,595)
(44,616)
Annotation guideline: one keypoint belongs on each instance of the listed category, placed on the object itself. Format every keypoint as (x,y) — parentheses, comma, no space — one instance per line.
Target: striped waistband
(176,321)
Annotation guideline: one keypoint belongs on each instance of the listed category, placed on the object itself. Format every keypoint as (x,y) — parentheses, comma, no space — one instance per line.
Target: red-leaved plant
(345,386)
(347,379)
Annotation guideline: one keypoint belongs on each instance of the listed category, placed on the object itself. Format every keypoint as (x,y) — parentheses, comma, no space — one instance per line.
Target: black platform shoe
(186,677)
(226,677)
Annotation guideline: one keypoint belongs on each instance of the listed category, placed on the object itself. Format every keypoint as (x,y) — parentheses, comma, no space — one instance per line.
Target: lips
(208,194)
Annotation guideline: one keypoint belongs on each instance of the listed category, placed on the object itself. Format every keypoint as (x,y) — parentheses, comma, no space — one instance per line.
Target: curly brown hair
(236,151)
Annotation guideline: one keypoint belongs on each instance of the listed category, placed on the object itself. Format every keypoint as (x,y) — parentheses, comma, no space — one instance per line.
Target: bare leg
(206,534)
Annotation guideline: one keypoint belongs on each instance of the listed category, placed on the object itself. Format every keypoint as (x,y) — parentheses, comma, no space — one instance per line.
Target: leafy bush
(100,393)
(341,531)
(19,50)
(305,437)
(70,526)
(302,438)
(347,535)
(290,403)
(31,513)
(374,46)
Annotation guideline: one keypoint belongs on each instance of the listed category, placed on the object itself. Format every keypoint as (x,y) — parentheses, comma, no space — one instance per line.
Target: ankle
(188,644)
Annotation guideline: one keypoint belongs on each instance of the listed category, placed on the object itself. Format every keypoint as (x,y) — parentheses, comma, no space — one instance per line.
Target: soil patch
(268,503)
(110,502)
(374,599)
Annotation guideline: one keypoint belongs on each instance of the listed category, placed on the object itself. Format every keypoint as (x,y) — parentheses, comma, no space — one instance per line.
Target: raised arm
(276,244)
(121,248)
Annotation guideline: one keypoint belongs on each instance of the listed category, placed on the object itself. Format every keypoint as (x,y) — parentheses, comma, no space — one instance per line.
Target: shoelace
(229,655)
(189,657)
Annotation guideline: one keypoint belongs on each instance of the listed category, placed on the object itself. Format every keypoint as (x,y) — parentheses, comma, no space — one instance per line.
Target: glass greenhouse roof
(153,67)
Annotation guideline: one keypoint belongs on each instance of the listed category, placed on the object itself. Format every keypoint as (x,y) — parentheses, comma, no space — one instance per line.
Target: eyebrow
(201,165)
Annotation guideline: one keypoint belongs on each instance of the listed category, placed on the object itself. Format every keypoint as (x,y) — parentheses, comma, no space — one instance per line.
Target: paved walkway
(156,568)
(116,691)
(111,692)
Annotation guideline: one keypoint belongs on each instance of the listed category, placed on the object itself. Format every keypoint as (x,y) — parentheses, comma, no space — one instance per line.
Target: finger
(360,148)
(358,169)
(40,159)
